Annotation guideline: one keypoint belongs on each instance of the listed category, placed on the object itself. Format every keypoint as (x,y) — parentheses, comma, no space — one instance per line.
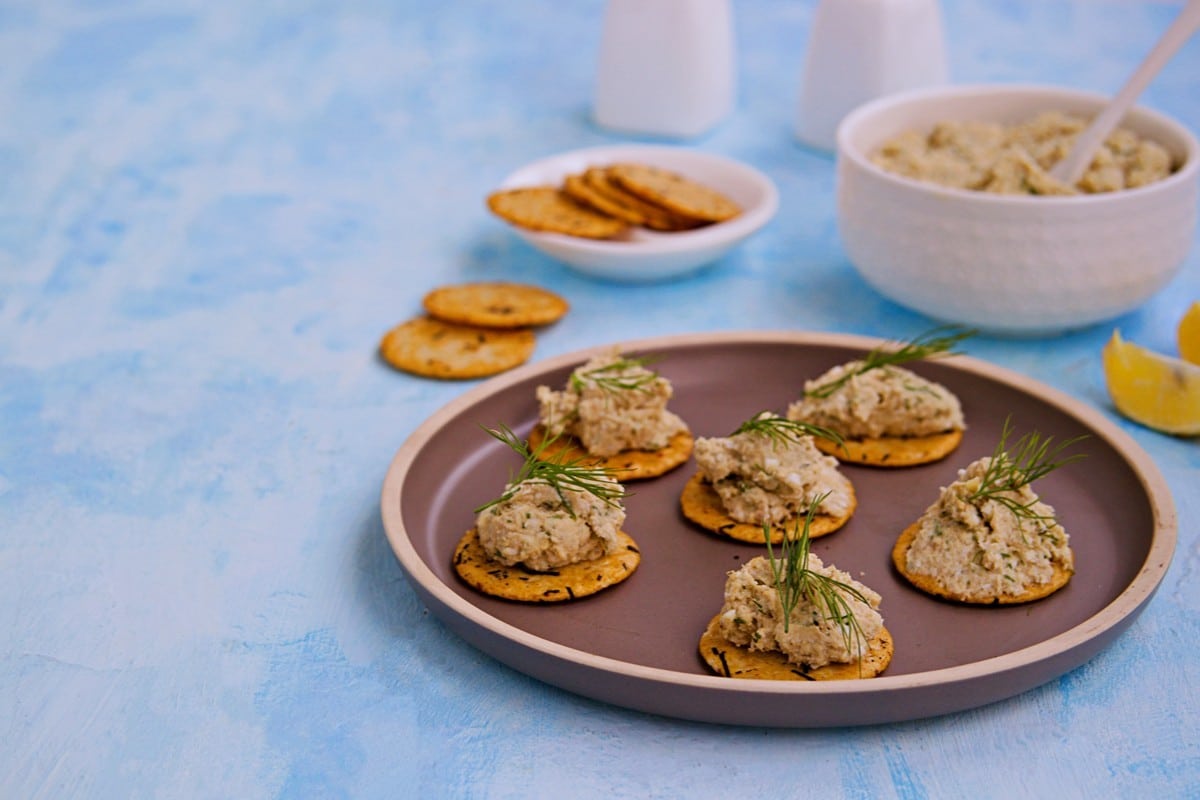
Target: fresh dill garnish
(794,581)
(1031,457)
(783,430)
(612,377)
(934,342)
(558,472)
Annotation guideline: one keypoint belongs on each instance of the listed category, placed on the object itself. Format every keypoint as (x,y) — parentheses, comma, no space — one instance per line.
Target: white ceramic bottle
(666,67)
(862,49)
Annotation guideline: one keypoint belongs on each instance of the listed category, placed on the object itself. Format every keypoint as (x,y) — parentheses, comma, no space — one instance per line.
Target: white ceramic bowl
(1007,264)
(641,255)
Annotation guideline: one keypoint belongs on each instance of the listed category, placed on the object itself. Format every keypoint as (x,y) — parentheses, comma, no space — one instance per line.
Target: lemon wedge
(1189,334)
(1159,391)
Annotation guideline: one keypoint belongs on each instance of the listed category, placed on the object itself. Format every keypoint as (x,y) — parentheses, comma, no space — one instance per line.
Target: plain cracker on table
(892,451)
(674,192)
(930,585)
(553,586)
(631,465)
(702,505)
(435,349)
(495,304)
(733,661)
(583,192)
(549,209)
(655,217)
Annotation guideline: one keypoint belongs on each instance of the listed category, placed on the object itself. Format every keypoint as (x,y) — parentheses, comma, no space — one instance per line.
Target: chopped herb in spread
(770,472)
(989,534)
(939,341)
(553,513)
(611,404)
(812,613)
(874,397)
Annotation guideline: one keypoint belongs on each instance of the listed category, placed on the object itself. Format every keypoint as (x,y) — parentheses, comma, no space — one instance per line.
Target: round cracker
(702,505)
(582,192)
(653,216)
(495,304)
(546,208)
(930,585)
(554,586)
(435,349)
(733,661)
(633,465)
(892,451)
(674,192)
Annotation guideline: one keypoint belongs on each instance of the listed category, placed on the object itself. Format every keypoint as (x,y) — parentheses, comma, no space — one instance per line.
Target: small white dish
(640,255)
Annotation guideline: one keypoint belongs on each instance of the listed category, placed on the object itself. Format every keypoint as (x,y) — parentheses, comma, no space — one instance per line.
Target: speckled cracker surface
(674,192)
(732,661)
(547,208)
(933,586)
(565,583)
(581,191)
(436,349)
(702,505)
(653,216)
(495,304)
(632,465)
(892,451)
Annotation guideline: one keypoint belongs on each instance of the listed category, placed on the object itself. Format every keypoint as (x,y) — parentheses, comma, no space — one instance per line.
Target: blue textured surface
(210,212)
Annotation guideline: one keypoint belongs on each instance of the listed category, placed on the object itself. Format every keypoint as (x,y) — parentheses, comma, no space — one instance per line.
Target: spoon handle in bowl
(1071,168)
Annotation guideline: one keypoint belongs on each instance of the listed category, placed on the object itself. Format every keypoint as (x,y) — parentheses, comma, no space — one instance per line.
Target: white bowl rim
(652,243)
(858,117)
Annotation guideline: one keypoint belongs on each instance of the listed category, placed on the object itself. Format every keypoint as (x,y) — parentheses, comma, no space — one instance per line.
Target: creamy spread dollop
(760,478)
(885,401)
(1016,159)
(979,547)
(534,526)
(611,404)
(753,617)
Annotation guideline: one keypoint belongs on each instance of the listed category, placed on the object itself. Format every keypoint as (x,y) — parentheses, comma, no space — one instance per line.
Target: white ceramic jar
(666,67)
(859,50)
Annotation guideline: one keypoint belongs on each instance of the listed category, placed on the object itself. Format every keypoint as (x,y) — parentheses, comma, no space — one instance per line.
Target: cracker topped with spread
(885,414)
(613,411)
(793,617)
(554,534)
(989,538)
(766,473)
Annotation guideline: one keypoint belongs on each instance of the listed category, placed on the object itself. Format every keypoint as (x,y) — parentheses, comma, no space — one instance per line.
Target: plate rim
(1111,619)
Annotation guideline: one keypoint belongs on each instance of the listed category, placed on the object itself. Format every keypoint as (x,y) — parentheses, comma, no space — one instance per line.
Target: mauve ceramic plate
(636,645)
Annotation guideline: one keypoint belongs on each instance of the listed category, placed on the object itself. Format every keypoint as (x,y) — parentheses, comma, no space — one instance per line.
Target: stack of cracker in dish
(472,330)
(605,202)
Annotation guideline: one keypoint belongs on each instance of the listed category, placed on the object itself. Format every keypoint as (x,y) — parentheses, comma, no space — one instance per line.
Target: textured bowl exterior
(1010,265)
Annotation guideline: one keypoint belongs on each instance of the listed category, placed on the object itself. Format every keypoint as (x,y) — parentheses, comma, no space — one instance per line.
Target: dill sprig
(1031,457)
(794,581)
(558,472)
(612,377)
(782,430)
(934,342)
